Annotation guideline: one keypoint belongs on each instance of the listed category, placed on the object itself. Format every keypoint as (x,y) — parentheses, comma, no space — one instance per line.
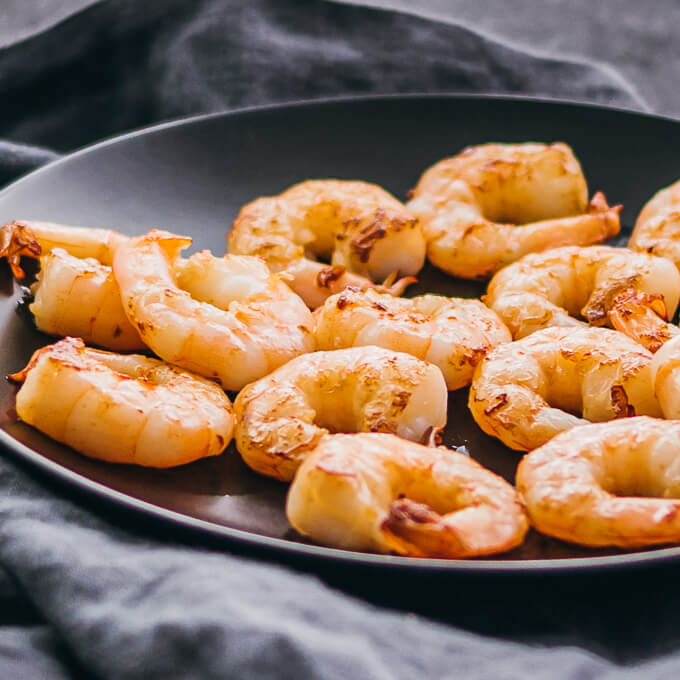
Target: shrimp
(123,408)
(665,369)
(607,484)
(492,204)
(553,287)
(657,228)
(365,232)
(452,333)
(526,392)
(282,417)
(75,292)
(379,493)
(226,318)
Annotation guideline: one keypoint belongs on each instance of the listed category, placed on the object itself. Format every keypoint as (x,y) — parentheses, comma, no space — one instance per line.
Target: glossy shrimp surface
(226,318)
(492,204)
(665,368)
(567,286)
(452,333)
(75,292)
(607,484)
(657,228)
(282,417)
(123,408)
(365,233)
(527,391)
(376,492)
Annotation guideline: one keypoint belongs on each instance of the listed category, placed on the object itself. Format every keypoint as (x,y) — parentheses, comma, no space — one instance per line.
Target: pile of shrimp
(340,385)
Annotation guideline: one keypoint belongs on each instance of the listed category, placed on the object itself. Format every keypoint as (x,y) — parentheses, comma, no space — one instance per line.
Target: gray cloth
(84,592)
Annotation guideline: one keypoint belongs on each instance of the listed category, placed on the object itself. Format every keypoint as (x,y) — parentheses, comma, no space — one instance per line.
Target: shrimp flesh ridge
(657,228)
(379,493)
(527,391)
(282,417)
(607,484)
(556,286)
(123,408)
(665,368)
(452,333)
(365,233)
(75,292)
(226,318)
(492,204)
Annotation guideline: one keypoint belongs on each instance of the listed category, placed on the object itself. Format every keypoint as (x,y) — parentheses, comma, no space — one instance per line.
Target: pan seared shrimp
(365,233)
(379,493)
(492,204)
(555,287)
(525,392)
(282,417)
(75,292)
(657,228)
(452,333)
(665,368)
(123,408)
(32,239)
(606,484)
(227,318)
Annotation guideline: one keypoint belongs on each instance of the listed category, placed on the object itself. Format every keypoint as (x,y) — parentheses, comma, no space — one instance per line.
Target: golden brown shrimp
(282,417)
(605,484)
(75,292)
(379,493)
(226,318)
(657,228)
(365,233)
(492,204)
(452,333)
(554,287)
(123,408)
(525,392)
(665,369)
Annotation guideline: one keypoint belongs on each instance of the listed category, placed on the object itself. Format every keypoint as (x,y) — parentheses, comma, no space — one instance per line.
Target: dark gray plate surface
(191,177)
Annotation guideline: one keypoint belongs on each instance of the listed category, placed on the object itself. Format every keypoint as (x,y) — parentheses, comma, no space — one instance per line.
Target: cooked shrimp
(665,369)
(365,233)
(75,294)
(227,318)
(283,416)
(554,287)
(452,333)
(123,408)
(379,493)
(526,392)
(492,204)
(657,228)
(80,297)
(32,239)
(612,483)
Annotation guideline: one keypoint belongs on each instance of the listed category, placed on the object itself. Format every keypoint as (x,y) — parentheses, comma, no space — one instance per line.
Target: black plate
(193,175)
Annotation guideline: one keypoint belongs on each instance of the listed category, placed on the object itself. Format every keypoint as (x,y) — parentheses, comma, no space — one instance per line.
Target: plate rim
(101,491)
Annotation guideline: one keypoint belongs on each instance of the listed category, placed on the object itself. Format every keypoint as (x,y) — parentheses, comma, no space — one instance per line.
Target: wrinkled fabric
(85,592)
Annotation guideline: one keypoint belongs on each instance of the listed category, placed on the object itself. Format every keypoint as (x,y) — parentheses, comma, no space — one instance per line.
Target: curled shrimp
(75,292)
(525,392)
(452,333)
(226,318)
(365,233)
(123,408)
(615,484)
(492,204)
(282,417)
(379,493)
(665,368)
(555,287)
(657,228)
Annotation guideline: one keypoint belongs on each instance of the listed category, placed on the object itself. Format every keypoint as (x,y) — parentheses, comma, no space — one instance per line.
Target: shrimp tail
(642,317)
(17,240)
(394,286)
(416,530)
